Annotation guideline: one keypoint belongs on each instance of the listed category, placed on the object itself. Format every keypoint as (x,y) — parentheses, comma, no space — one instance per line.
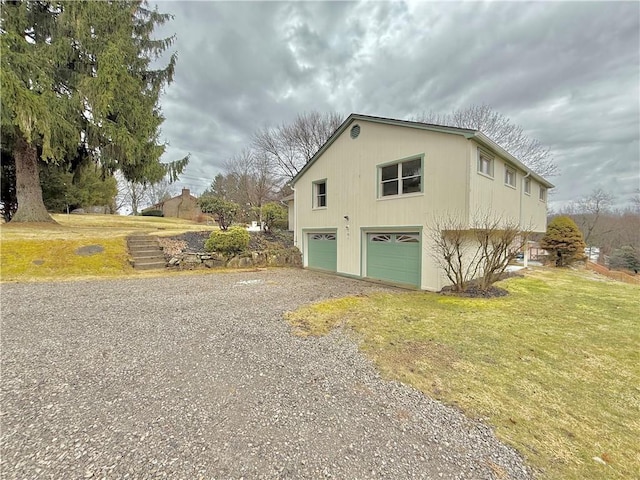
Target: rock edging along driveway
(199,377)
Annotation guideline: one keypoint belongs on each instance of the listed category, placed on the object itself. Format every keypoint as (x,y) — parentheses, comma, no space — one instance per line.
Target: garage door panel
(322,251)
(394,257)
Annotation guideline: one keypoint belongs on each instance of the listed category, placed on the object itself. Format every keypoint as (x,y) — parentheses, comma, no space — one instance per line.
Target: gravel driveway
(199,377)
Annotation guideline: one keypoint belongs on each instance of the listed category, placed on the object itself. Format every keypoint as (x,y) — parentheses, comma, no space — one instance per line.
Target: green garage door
(394,257)
(322,251)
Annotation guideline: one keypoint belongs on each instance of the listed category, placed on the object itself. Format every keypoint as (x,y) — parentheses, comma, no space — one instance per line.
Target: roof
(160,204)
(467,133)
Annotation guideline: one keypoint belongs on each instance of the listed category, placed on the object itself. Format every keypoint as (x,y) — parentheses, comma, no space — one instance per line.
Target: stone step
(149,258)
(151,243)
(146,252)
(149,265)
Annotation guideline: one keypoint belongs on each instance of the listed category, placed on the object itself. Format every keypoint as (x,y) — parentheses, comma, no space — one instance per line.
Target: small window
(543,194)
(401,178)
(407,238)
(485,164)
(380,238)
(320,194)
(510,177)
(323,237)
(527,186)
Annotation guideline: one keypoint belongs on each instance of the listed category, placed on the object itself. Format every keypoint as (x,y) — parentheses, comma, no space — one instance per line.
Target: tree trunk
(28,190)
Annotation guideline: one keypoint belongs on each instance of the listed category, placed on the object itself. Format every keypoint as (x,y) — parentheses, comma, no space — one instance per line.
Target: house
(184,206)
(364,203)
(290,218)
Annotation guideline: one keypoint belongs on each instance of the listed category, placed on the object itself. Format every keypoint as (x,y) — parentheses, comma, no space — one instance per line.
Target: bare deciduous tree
(160,191)
(635,201)
(288,147)
(500,129)
(479,252)
(248,181)
(134,196)
(589,209)
(603,226)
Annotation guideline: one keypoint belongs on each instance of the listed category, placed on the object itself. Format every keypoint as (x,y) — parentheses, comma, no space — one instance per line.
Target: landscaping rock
(281,258)
(245,262)
(191,258)
(234,262)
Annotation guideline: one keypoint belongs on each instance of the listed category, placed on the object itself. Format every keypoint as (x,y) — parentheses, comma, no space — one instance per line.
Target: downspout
(295,218)
(526,245)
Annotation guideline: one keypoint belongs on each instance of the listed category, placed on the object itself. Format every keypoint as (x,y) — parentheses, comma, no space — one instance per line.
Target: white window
(408,238)
(485,163)
(527,186)
(543,194)
(320,194)
(510,177)
(380,238)
(401,178)
(323,236)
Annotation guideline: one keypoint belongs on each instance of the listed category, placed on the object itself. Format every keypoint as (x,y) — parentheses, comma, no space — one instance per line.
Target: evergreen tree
(224,210)
(563,241)
(78,75)
(625,258)
(9,203)
(84,188)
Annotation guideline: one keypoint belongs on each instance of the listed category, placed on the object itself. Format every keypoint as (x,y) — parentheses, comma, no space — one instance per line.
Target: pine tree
(78,75)
(563,241)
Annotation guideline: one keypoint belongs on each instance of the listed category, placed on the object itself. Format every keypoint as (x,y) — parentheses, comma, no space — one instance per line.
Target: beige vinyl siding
(351,169)
(290,215)
(450,186)
(503,201)
(533,210)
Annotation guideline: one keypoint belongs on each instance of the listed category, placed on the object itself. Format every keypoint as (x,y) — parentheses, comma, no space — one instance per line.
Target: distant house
(184,206)
(364,203)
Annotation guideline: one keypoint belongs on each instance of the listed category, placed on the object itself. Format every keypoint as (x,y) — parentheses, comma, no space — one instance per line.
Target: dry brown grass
(614,274)
(47,251)
(554,366)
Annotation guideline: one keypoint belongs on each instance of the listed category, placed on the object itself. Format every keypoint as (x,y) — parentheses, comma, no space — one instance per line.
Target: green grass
(39,251)
(553,366)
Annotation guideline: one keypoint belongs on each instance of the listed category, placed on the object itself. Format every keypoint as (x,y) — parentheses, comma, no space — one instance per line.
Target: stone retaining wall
(276,258)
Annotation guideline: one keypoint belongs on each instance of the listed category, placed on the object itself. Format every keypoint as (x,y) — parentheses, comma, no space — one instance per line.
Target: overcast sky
(567,72)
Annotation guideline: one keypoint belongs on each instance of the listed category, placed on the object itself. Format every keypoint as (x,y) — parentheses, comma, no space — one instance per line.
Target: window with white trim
(543,194)
(510,177)
(527,186)
(407,238)
(320,194)
(485,163)
(380,238)
(323,236)
(394,237)
(401,178)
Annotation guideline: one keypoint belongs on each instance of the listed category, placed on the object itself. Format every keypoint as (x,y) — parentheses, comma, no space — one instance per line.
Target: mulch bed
(473,291)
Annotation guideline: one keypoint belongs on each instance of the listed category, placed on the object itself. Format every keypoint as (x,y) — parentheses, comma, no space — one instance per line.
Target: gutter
(493,146)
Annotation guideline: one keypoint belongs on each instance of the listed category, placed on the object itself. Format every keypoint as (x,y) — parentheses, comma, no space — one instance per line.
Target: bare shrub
(479,251)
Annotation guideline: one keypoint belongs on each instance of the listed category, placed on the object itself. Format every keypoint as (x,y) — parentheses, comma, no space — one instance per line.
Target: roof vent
(355,131)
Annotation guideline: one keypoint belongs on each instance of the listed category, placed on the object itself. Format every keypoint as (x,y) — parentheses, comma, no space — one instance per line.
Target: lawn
(554,366)
(46,251)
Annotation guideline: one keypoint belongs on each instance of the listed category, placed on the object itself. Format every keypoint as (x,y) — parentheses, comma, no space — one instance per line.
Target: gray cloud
(568,73)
